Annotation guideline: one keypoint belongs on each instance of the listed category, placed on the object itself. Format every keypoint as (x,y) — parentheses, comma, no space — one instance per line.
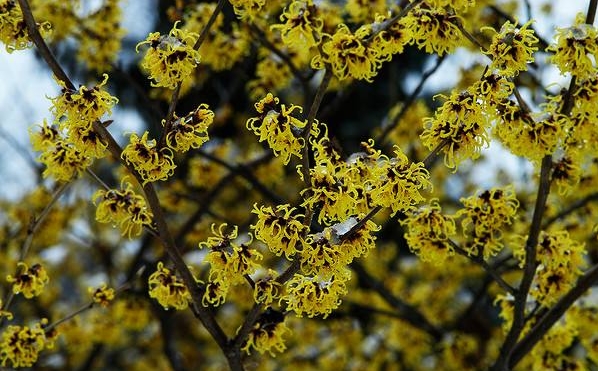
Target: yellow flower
(102,295)
(280,230)
(531,136)
(20,345)
(484,217)
(63,160)
(576,49)
(278,126)
(30,281)
(168,289)
(83,106)
(267,333)
(101,42)
(267,289)
(124,208)
(190,131)
(149,161)
(460,125)
(397,183)
(301,21)
(318,295)
(247,9)
(429,232)
(512,48)
(170,58)
(433,29)
(348,56)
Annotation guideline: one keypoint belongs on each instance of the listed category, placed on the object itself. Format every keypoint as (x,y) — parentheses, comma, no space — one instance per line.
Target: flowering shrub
(259,219)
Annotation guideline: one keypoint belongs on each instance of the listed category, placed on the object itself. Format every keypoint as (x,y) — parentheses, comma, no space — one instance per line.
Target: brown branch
(552,316)
(529,269)
(175,94)
(487,267)
(41,45)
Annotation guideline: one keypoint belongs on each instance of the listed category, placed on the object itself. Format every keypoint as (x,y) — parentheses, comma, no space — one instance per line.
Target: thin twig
(394,121)
(406,311)
(487,267)
(546,322)
(125,286)
(169,120)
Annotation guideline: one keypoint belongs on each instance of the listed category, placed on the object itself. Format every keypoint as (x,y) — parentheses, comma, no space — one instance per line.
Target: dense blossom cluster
(30,281)
(124,208)
(327,188)
(168,289)
(170,58)
(485,217)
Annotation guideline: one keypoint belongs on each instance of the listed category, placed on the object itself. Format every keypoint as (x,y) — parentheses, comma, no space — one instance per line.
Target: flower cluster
(433,29)
(70,144)
(512,48)
(576,49)
(168,289)
(429,232)
(301,22)
(267,289)
(484,217)
(190,131)
(330,250)
(124,208)
(278,126)
(229,262)
(347,54)
(21,345)
(280,229)
(247,9)
(152,163)
(531,136)
(13,30)
(396,182)
(267,333)
(76,110)
(318,295)
(459,127)
(170,58)
(102,295)
(30,281)
(560,259)
(63,161)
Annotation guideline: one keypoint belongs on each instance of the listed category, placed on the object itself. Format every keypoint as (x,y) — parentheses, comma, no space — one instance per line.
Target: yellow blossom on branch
(512,48)
(150,162)
(429,232)
(170,58)
(279,229)
(20,345)
(124,208)
(168,289)
(576,49)
(397,183)
(267,333)
(278,126)
(190,131)
(30,281)
(102,295)
(460,126)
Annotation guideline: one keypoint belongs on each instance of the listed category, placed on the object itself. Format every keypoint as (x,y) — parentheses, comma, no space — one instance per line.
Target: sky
(25,86)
